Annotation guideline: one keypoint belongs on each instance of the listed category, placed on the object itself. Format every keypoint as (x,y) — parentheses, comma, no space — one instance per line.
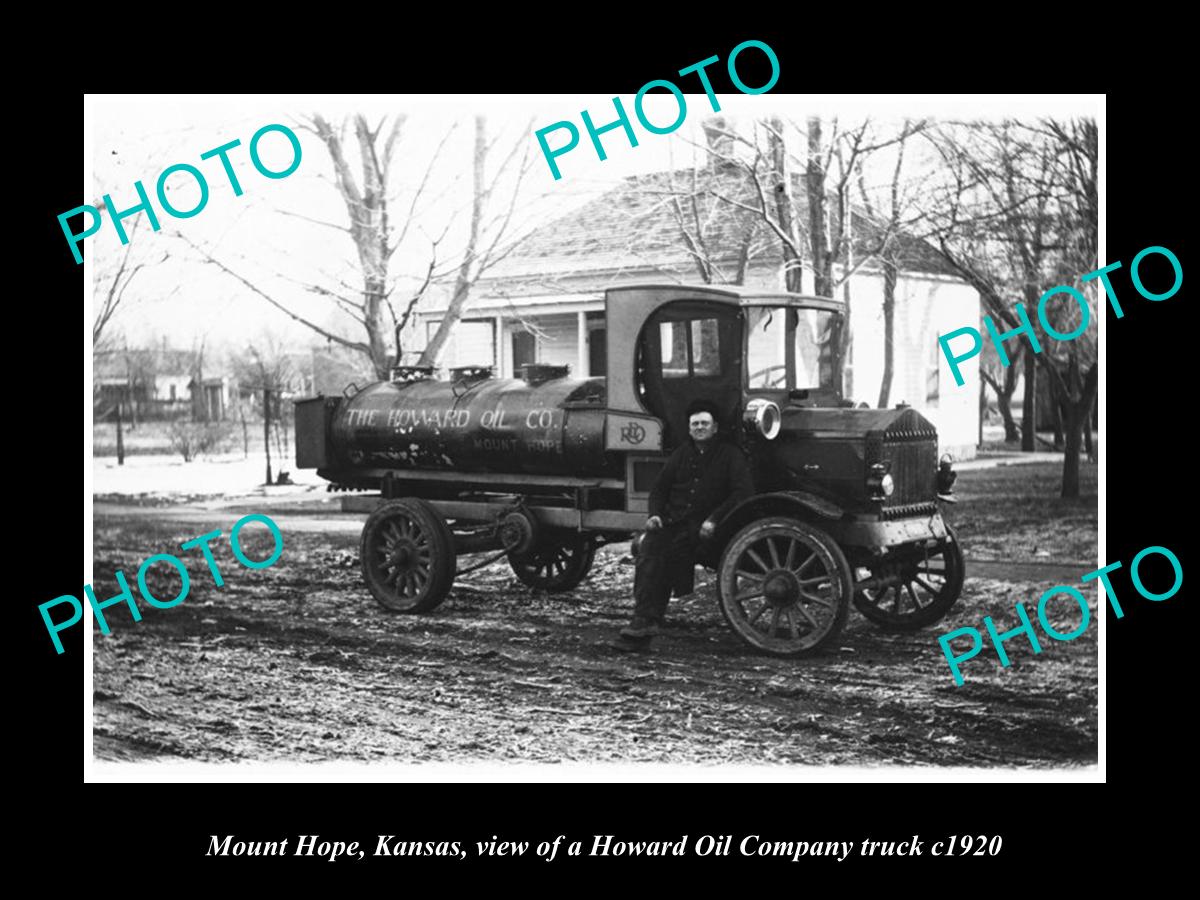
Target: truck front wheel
(784,586)
(914,587)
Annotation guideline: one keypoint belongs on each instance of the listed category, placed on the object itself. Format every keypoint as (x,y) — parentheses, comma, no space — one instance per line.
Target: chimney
(720,145)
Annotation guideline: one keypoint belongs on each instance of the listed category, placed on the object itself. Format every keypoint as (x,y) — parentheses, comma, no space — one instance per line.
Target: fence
(138,410)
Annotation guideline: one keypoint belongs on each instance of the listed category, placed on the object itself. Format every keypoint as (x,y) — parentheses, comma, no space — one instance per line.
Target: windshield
(788,348)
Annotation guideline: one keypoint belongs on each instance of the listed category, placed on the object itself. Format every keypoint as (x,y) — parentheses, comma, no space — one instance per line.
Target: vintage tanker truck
(544,468)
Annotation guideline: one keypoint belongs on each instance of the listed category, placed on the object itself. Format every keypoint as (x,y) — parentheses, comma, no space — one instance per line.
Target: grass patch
(1015,513)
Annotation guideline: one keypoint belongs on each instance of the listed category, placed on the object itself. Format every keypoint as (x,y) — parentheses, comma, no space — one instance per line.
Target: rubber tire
(835,563)
(443,564)
(935,611)
(578,566)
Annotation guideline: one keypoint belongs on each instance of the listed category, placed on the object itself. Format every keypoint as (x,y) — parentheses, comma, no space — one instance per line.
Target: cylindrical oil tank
(552,427)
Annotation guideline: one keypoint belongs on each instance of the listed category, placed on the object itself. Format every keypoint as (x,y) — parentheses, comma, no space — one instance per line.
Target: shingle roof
(636,225)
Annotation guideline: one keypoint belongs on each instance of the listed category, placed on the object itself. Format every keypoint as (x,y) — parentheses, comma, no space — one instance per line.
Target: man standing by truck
(704,478)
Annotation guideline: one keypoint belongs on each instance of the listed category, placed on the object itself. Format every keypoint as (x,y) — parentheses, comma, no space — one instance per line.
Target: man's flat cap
(702,405)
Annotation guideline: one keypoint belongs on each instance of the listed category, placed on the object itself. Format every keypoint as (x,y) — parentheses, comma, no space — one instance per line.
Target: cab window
(690,347)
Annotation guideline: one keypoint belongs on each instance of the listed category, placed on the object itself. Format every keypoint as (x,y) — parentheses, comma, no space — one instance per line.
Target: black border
(1148,477)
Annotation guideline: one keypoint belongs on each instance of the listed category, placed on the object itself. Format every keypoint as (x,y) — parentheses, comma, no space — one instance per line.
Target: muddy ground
(297,663)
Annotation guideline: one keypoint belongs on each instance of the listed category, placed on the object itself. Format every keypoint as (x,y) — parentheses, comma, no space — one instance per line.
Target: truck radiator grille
(914,470)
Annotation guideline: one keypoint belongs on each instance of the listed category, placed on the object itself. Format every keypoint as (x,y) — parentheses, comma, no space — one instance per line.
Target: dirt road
(297,663)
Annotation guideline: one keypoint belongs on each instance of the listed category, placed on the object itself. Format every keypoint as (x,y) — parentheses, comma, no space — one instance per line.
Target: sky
(272,234)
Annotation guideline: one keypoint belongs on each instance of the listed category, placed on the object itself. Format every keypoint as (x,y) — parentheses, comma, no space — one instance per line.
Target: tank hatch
(537,373)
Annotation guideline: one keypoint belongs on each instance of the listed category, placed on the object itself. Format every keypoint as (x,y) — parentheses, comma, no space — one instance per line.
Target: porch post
(498,342)
(581,367)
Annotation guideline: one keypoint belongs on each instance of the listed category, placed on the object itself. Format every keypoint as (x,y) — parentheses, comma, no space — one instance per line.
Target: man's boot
(641,628)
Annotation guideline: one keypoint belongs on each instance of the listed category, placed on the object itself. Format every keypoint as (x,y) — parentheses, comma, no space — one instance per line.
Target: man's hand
(707,529)
(653,523)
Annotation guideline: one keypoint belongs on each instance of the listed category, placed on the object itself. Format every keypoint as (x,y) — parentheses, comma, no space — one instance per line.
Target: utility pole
(267,429)
(120,437)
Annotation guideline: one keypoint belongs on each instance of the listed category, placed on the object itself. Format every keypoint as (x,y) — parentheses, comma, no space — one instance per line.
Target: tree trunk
(200,386)
(818,230)
(818,234)
(1070,477)
(842,347)
(375,297)
(267,430)
(462,284)
(368,225)
(983,405)
(372,238)
(120,437)
(1029,413)
(1087,436)
(889,330)
(1077,416)
(1004,403)
(793,272)
(245,430)
(1004,396)
(1060,416)
(283,434)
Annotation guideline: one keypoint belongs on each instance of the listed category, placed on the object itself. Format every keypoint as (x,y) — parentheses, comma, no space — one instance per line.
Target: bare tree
(376,236)
(719,240)
(1003,382)
(112,283)
(375,239)
(264,367)
(1017,217)
(819,226)
(488,239)
(117,266)
(1078,226)
(898,213)
(785,207)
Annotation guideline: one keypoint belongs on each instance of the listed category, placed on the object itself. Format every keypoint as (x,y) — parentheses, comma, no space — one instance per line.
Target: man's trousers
(666,561)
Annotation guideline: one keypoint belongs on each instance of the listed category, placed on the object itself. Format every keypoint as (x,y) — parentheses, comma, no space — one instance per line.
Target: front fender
(795,504)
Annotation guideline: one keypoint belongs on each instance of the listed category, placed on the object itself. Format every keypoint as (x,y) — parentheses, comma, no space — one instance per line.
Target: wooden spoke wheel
(407,554)
(785,586)
(555,564)
(915,587)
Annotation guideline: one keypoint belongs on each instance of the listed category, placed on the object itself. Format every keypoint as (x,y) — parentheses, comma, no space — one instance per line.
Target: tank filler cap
(405,374)
(536,373)
(470,373)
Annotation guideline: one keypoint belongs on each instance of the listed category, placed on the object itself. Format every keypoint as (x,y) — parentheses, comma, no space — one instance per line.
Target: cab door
(688,350)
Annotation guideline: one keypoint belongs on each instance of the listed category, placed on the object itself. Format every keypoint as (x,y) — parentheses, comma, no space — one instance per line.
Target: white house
(545,303)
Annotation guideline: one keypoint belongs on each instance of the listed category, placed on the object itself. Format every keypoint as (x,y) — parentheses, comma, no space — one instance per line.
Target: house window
(172,392)
(524,349)
(933,373)
(597,344)
(471,343)
(597,352)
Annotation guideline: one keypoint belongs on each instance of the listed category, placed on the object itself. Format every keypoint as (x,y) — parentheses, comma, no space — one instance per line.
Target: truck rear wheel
(407,554)
(555,565)
(784,586)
